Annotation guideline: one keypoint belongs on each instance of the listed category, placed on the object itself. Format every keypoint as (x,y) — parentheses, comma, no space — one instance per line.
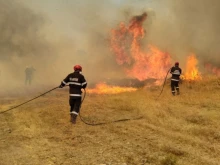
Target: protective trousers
(75,103)
(175,85)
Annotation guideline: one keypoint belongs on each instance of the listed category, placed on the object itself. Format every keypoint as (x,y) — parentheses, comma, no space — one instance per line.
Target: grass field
(174,130)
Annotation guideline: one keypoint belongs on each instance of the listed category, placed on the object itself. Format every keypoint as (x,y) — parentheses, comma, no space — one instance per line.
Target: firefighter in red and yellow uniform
(76,82)
(176,72)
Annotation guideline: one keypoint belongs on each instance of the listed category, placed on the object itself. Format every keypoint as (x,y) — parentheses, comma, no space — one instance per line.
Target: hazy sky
(60,12)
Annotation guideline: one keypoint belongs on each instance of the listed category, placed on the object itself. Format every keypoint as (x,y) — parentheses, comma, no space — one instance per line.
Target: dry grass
(180,130)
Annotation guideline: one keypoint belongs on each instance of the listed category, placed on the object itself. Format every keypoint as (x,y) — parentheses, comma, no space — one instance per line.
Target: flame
(213,69)
(103,88)
(126,45)
(192,72)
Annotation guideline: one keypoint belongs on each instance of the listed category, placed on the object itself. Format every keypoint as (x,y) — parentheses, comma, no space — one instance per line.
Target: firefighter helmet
(77,68)
(177,63)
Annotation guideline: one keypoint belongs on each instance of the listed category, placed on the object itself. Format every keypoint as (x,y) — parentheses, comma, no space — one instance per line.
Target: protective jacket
(76,82)
(176,72)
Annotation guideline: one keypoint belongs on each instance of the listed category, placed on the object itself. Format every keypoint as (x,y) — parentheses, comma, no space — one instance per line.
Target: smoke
(189,26)
(22,42)
(52,37)
(91,23)
(19,28)
(73,33)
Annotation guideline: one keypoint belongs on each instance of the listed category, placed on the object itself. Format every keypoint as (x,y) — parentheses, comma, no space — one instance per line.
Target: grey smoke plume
(28,39)
(80,35)
(190,26)
(199,22)
(21,42)
(19,31)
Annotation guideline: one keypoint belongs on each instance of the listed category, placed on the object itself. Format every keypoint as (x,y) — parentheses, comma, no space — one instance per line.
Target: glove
(61,86)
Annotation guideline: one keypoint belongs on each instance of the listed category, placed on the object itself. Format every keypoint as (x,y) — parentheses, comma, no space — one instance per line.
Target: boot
(173,93)
(178,92)
(73,118)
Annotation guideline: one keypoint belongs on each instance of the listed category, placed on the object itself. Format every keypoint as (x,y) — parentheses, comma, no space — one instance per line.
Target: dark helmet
(77,68)
(176,63)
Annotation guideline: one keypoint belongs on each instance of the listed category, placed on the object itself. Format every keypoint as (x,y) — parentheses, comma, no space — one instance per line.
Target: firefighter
(176,72)
(76,82)
(29,71)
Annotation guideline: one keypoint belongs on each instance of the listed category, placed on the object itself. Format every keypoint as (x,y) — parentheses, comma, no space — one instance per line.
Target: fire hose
(164,83)
(85,122)
(103,123)
(27,101)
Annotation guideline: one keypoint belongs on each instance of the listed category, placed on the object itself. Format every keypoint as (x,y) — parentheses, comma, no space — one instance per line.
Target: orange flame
(192,72)
(126,45)
(102,88)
